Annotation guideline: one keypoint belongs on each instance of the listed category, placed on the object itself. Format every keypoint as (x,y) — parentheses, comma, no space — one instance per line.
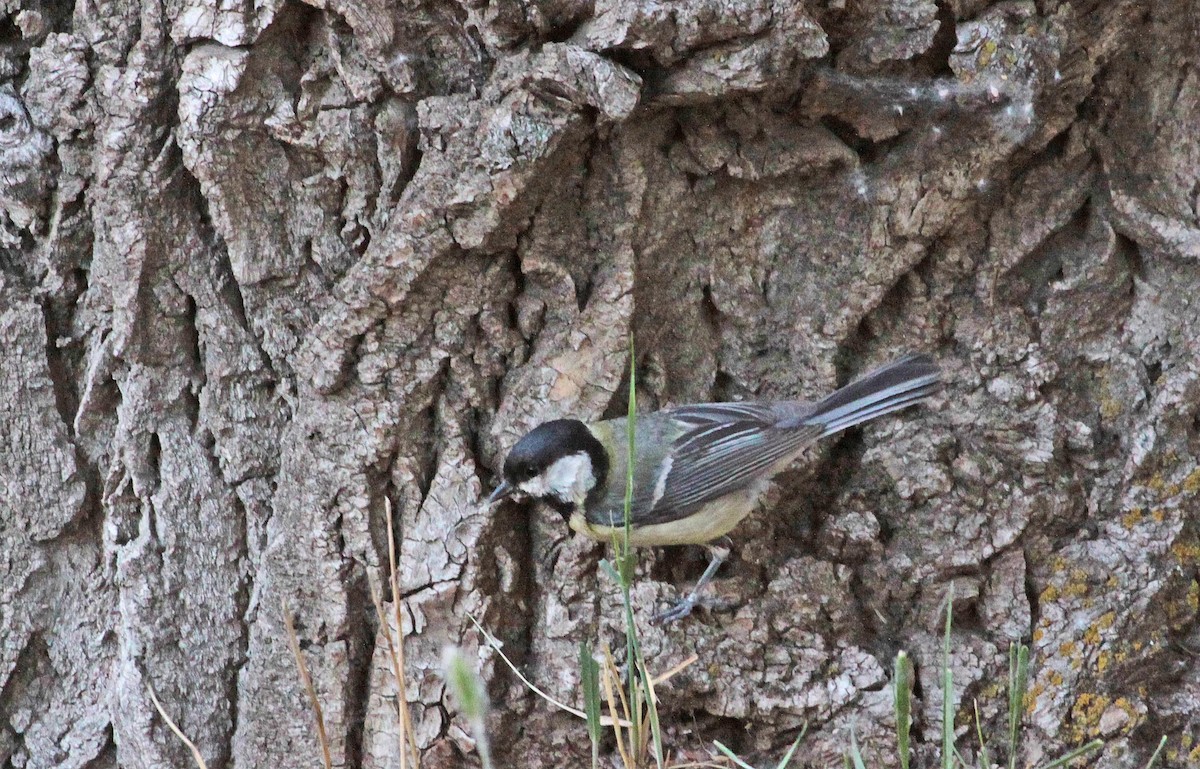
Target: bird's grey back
(690,455)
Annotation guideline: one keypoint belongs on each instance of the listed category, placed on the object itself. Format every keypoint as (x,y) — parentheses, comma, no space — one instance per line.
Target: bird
(698,469)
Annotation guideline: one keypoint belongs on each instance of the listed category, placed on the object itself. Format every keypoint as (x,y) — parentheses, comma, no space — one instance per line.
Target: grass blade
(984,758)
(1018,681)
(589,674)
(1154,758)
(469,692)
(902,704)
(1082,750)
(787,757)
(948,689)
(731,755)
(856,758)
(631,454)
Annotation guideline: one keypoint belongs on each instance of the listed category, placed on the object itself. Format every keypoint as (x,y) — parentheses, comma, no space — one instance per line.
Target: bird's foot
(676,612)
(718,552)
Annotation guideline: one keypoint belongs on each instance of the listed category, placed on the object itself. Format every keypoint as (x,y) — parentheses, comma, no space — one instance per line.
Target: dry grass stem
(494,644)
(396,650)
(199,759)
(309,689)
(606,680)
(662,678)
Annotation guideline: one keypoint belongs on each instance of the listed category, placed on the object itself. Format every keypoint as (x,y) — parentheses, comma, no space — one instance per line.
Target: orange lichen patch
(1188,743)
(1158,514)
(1103,622)
(1110,408)
(1049,595)
(1157,482)
(1031,697)
(1055,678)
(1133,517)
(1182,612)
(1085,715)
(1095,714)
(1103,659)
(1077,587)
(1186,550)
(1037,635)
(992,690)
(1074,589)
(1059,564)
(1112,581)
(1067,649)
(1191,484)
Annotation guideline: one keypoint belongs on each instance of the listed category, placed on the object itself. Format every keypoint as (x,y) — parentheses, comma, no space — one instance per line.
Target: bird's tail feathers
(897,385)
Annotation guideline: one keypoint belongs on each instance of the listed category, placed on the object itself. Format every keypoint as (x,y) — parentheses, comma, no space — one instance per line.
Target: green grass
(902,704)
(783,762)
(633,710)
(951,757)
(466,686)
(597,680)
(640,704)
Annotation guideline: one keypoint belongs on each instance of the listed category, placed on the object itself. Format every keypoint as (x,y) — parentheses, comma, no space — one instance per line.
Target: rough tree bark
(266,264)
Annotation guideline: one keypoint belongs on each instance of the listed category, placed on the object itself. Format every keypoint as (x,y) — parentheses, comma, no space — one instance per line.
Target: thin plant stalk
(404,722)
(1082,750)
(1154,758)
(590,680)
(735,758)
(903,705)
(984,758)
(494,644)
(309,689)
(856,757)
(948,689)
(199,759)
(471,696)
(1018,679)
(607,680)
(643,710)
(731,755)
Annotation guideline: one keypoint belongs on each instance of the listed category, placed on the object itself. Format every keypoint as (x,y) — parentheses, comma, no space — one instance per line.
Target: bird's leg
(717,553)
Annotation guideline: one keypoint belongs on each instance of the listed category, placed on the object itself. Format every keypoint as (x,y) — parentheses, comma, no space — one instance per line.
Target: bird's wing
(724,447)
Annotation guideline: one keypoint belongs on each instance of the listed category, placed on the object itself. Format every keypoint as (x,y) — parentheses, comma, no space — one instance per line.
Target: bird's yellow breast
(713,520)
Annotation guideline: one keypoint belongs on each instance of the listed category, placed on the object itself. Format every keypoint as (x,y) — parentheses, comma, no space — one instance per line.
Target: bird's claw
(676,611)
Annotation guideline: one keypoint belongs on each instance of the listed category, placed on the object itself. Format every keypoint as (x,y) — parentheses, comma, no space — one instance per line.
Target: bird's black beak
(503,491)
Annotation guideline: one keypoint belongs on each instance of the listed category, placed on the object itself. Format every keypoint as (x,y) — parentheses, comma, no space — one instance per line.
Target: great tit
(698,469)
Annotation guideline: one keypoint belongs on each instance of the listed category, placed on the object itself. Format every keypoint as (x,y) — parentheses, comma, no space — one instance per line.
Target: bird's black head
(555,462)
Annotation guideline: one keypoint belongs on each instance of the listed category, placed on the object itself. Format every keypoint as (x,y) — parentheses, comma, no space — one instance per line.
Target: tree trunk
(268,265)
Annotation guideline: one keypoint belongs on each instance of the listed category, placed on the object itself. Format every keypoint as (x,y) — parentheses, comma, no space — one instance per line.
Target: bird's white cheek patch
(569,478)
